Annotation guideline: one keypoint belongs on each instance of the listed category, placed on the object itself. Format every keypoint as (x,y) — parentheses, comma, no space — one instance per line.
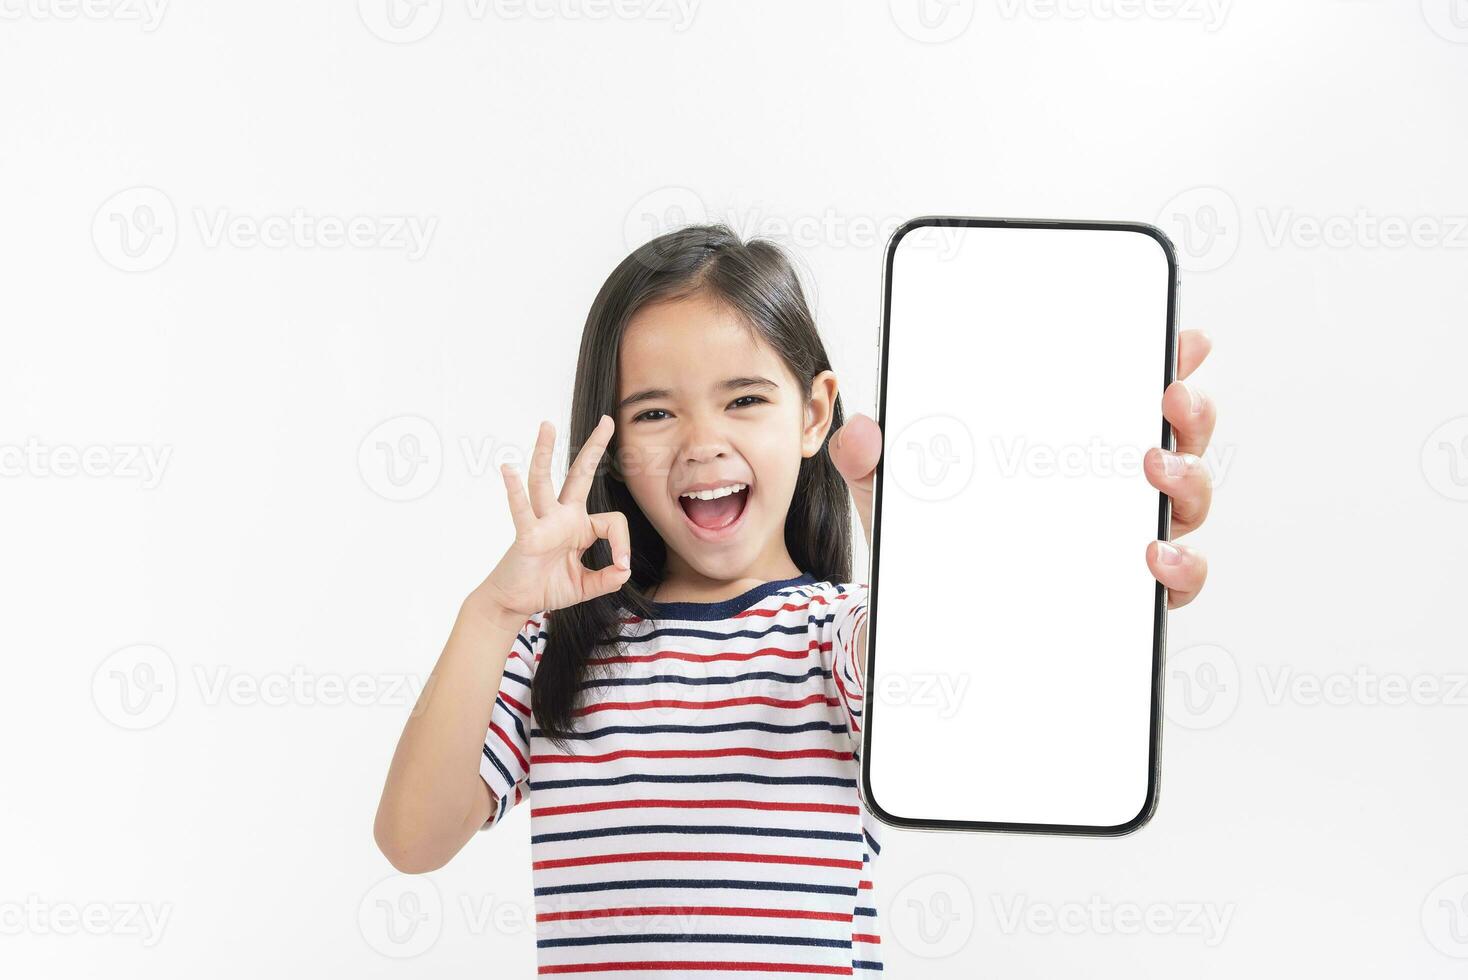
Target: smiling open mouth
(717,509)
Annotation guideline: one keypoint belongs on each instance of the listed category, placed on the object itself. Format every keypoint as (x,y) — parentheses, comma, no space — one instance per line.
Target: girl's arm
(855,449)
(435,799)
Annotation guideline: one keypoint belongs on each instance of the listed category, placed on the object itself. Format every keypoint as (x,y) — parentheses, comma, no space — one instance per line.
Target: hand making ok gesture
(542,569)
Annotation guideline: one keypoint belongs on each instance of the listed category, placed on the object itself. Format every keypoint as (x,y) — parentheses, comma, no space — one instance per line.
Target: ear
(819,408)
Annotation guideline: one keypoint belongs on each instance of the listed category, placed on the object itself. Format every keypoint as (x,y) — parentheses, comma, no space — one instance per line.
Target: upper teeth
(714,494)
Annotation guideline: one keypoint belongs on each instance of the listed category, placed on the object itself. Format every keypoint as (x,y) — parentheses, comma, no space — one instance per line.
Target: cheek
(643,465)
(776,461)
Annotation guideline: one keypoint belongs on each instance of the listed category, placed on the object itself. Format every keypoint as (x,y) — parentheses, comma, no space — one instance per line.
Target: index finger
(583,468)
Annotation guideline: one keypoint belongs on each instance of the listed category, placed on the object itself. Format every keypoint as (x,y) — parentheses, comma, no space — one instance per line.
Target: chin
(720,568)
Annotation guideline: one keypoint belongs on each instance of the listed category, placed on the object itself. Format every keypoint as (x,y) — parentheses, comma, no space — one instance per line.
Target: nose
(704,444)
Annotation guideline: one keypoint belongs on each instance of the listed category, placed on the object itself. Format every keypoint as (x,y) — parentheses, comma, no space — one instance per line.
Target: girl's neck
(682,583)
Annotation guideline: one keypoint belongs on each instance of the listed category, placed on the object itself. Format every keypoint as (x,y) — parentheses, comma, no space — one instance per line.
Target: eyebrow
(728,384)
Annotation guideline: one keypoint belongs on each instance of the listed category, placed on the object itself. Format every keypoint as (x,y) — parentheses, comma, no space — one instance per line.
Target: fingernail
(1172,464)
(1168,555)
(624,561)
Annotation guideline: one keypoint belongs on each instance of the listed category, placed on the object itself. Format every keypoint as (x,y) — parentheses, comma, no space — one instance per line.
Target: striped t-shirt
(708,821)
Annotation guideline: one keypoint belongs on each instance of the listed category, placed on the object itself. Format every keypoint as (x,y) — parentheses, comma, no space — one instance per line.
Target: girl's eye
(651,415)
(744,401)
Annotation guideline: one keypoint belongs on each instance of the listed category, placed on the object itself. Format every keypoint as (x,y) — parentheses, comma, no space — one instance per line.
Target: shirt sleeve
(505,762)
(848,620)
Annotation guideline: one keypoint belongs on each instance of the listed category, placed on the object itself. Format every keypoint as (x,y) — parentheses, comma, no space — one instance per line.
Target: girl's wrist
(483,605)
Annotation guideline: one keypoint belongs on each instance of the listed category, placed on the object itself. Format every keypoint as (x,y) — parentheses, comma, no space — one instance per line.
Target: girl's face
(711,429)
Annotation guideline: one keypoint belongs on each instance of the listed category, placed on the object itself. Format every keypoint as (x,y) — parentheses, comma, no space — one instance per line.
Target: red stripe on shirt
(725,703)
(694,910)
(695,754)
(724,965)
(703,658)
(494,727)
(743,858)
(550,811)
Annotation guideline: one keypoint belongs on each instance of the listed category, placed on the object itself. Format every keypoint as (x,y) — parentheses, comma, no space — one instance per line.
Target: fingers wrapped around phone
(1184,478)
(1182,570)
(1192,414)
(1192,347)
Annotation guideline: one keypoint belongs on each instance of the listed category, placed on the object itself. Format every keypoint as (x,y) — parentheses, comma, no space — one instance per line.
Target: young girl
(669,657)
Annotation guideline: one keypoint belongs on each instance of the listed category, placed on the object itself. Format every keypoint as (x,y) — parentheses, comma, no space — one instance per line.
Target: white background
(1326,832)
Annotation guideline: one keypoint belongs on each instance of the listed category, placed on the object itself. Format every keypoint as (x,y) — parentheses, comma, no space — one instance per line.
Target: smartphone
(1015,634)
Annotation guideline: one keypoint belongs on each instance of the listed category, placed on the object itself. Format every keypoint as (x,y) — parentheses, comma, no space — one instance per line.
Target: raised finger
(520,510)
(1184,478)
(583,468)
(1192,415)
(1192,347)
(542,493)
(1182,570)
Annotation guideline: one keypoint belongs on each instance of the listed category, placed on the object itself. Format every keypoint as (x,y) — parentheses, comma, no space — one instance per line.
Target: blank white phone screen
(1014,625)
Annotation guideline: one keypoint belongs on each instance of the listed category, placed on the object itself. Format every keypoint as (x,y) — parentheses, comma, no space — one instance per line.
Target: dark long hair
(756,279)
